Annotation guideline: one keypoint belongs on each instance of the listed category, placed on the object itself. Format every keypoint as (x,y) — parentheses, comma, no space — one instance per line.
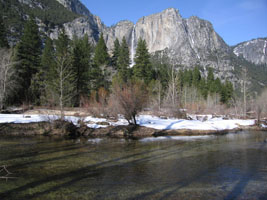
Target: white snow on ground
(263,126)
(142,120)
(210,124)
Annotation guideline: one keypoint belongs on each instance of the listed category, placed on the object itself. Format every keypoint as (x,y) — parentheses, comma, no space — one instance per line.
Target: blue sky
(234,20)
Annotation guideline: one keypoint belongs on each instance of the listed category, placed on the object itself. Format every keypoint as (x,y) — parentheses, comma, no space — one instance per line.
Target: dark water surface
(233,166)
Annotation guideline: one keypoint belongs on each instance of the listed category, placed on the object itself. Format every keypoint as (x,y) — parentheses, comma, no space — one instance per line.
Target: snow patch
(198,122)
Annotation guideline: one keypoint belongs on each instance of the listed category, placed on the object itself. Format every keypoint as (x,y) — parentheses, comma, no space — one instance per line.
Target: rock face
(75,6)
(190,41)
(86,24)
(254,51)
(120,30)
(80,27)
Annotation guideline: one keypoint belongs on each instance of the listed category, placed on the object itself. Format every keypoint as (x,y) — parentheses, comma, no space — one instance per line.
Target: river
(232,166)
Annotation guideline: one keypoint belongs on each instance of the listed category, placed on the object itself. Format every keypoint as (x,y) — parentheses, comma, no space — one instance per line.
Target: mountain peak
(76,6)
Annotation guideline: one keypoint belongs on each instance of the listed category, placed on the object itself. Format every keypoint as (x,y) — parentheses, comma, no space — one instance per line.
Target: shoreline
(69,130)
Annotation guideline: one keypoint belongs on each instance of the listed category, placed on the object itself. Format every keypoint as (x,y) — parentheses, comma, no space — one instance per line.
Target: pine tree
(82,64)
(3,39)
(210,80)
(101,54)
(217,85)
(28,52)
(143,67)
(204,88)
(48,59)
(124,61)
(47,71)
(115,53)
(196,77)
(188,77)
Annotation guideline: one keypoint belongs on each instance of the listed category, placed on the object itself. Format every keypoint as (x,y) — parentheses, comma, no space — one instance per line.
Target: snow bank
(210,124)
(142,120)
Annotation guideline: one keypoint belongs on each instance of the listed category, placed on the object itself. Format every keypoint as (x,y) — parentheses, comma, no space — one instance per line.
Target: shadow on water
(245,179)
(174,187)
(80,174)
(167,190)
(44,151)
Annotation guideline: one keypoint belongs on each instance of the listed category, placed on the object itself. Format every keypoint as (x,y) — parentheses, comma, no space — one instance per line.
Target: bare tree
(129,99)
(244,88)
(64,83)
(171,97)
(7,80)
(261,105)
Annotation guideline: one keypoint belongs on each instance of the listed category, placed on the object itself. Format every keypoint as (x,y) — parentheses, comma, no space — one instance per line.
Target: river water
(232,166)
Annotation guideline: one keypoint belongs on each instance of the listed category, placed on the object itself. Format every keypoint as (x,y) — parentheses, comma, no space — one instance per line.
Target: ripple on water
(187,138)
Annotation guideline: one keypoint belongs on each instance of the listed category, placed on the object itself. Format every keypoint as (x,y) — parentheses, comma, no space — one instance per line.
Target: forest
(66,73)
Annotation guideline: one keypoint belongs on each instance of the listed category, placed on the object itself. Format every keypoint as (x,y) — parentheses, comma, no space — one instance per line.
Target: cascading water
(132,47)
(264,48)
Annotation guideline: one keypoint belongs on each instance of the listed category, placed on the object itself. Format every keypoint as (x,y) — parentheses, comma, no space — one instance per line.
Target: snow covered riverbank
(143,120)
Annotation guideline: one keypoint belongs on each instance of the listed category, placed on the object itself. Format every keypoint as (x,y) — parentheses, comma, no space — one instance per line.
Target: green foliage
(46,73)
(196,77)
(3,39)
(226,92)
(210,80)
(101,53)
(188,77)
(115,54)
(161,69)
(82,66)
(143,67)
(124,62)
(28,52)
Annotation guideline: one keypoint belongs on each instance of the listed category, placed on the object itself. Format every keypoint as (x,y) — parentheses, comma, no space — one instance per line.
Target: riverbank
(148,126)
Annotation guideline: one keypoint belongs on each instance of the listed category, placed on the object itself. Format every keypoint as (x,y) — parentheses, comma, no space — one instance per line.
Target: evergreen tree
(124,61)
(217,85)
(82,64)
(48,59)
(115,53)
(101,53)
(226,92)
(47,70)
(3,39)
(28,53)
(143,67)
(196,77)
(210,80)
(204,88)
(188,77)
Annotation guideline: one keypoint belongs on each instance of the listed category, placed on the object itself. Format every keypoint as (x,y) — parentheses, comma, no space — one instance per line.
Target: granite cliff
(254,50)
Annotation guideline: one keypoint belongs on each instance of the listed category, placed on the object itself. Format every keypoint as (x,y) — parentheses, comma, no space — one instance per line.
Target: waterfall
(132,47)
(264,48)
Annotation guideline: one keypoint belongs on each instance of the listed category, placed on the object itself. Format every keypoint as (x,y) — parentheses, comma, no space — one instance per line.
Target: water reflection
(233,166)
